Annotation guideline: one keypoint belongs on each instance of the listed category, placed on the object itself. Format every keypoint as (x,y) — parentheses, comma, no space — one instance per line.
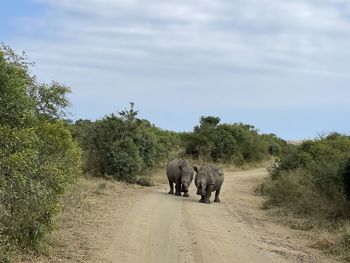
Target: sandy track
(162,228)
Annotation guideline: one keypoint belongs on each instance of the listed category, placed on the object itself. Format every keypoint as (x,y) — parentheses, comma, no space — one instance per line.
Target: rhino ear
(195,168)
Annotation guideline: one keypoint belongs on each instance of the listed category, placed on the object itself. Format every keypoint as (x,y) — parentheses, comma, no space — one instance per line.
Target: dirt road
(161,228)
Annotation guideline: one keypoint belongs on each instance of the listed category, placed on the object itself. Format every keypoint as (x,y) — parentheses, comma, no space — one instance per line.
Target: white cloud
(282,35)
(241,53)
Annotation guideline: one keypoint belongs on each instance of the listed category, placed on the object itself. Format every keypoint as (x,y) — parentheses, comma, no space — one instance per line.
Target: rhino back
(216,176)
(219,179)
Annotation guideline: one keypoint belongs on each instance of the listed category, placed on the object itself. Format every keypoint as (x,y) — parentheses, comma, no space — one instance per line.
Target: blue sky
(283,66)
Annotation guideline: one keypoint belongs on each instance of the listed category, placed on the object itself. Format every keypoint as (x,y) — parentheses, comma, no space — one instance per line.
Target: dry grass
(159,176)
(336,242)
(91,208)
(293,203)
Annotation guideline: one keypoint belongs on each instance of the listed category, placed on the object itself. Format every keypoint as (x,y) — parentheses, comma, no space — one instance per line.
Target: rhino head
(201,182)
(186,175)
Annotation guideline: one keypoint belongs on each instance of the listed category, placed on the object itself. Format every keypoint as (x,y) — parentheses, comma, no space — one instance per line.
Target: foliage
(234,143)
(38,156)
(346,181)
(312,181)
(16,108)
(123,160)
(313,178)
(51,100)
(123,146)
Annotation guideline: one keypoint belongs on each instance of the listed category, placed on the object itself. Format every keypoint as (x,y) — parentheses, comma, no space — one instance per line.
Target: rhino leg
(182,189)
(217,200)
(171,185)
(208,194)
(178,188)
(202,199)
(186,194)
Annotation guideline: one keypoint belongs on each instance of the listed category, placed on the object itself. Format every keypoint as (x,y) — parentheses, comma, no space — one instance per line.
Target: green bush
(232,143)
(123,146)
(311,178)
(123,161)
(38,156)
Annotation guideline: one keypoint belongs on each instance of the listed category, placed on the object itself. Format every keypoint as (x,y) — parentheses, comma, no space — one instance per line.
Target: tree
(38,156)
(236,143)
(51,100)
(209,121)
(129,115)
(123,146)
(16,107)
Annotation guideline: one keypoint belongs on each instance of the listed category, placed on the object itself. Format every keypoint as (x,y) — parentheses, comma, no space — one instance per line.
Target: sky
(282,66)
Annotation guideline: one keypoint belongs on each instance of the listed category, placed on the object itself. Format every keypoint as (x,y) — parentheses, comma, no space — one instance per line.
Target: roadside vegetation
(312,183)
(124,147)
(90,210)
(236,144)
(130,149)
(38,156)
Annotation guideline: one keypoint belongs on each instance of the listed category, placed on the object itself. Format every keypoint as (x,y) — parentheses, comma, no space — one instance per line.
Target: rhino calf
(180,173)
(209,178)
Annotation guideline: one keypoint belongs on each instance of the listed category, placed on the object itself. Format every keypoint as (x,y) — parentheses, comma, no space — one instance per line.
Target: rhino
(180,173)
(208,179)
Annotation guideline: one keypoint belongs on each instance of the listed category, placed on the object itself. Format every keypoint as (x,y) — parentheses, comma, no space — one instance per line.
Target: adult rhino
(180,173)
(209,178)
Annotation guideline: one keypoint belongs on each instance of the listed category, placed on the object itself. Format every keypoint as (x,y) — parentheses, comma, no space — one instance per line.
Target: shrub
(313,178)
(37,164)
(123,161)
(123,146)
(232,143)
(145,181)
(38,157)
(292,190)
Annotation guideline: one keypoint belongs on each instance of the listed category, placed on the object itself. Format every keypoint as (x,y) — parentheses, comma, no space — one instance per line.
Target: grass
(90,209)
(145,180)
(292,200)
(159,176)
(336,242)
